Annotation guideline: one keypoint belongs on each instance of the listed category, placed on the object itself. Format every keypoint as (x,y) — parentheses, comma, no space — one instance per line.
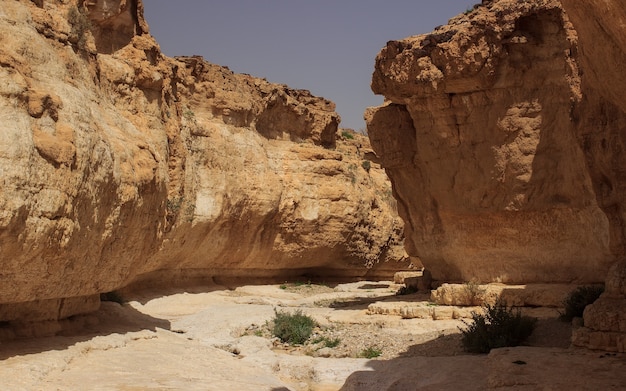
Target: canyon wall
(122,166)
(482,139)
(503,135)
(600,119)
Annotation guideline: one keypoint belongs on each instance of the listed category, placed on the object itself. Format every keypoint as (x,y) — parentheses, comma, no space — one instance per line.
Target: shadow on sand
(111,318)
(428,366)
(441,363)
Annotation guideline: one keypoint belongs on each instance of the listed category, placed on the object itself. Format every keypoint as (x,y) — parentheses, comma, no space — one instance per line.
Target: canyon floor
(216,338)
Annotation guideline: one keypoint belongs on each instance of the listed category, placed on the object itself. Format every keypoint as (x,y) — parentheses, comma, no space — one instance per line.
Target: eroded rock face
(114,23)
(605,319)
(121,165)
(600,119)
(494,151)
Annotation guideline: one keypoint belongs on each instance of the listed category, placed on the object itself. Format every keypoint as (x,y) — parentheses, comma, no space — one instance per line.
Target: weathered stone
(424,283)
(421,310)
(121,165)
(600,117)
(605,320)
(400,277)
(615,286)
(531,295)
(503,135)
(488,163)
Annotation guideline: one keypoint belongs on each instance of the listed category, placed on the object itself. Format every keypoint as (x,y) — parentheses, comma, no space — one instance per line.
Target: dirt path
(220,340)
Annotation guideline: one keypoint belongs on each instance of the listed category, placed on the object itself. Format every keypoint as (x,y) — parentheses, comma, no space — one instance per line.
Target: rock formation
(605,319)
(480,138)
(600,119)
(120,165)
(502,133)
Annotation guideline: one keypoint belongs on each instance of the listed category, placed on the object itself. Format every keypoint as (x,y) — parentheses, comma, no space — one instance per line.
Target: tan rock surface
(212,338)
(605,319)
(530,295)
(121,165)
(600,118)
(495,154)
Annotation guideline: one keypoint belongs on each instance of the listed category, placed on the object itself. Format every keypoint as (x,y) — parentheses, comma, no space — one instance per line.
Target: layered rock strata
(121,165)
(497,160)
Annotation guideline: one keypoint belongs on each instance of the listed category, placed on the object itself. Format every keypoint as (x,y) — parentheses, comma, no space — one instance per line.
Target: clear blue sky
(325,46)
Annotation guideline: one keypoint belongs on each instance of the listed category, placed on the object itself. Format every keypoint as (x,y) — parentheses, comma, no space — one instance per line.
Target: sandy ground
(218,339)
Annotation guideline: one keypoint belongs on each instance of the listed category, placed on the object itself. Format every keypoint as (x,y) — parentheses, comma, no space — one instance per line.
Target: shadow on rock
(364,302)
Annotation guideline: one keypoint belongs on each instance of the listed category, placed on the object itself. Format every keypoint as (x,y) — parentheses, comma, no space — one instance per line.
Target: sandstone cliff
(503,134)
(480,140)
(600,119)
(121,165)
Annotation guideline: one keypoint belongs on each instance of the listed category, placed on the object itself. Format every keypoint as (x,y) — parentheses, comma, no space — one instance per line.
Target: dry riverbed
(220,339)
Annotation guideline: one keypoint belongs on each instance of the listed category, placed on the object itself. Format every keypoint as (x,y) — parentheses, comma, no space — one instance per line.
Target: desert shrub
(367,165)
(474,294)
(347,135)
(498,327)
(371,352)
(575,303)
(189,115)
(332,343)
(327,341)
(293,328)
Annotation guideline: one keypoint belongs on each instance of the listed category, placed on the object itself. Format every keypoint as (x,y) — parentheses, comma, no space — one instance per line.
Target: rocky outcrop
(120,166)
(601,113)
(605,319)
(504,169)
(600,118)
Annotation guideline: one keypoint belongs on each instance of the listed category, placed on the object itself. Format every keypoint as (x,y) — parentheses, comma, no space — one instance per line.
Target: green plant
(332,343)
(367,165)
(189,114)
(173,205)
(474,294)
(177,207)
(469,10)
(347,135)
(352,172)
(575,303)
(498,327)
(328,342)
(112,296)
(293,328)
(190,210)
(79,24)
(283,286)
(370,352)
